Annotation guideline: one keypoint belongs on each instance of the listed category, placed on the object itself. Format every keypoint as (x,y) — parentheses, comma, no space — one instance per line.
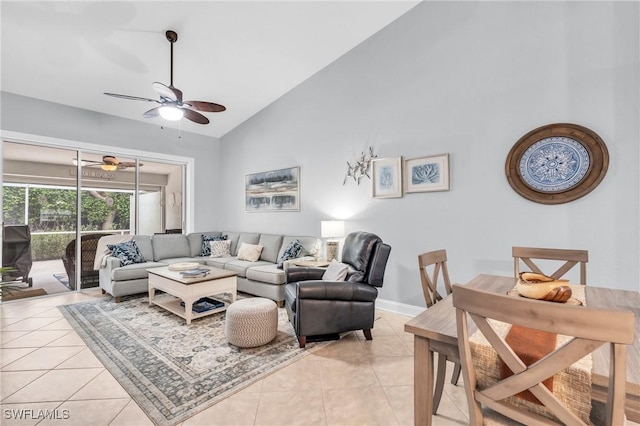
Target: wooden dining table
(435,330)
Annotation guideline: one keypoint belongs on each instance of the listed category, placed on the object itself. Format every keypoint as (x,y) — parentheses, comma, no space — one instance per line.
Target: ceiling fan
(171,105)
(109,163)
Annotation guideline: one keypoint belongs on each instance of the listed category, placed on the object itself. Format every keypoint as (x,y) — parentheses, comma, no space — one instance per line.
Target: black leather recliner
(316,307)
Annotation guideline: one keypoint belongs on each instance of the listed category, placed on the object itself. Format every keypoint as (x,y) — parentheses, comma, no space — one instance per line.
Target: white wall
(36,117)
(467,78)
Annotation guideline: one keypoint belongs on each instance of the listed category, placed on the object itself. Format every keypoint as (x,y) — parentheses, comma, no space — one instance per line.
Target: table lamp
(332,229)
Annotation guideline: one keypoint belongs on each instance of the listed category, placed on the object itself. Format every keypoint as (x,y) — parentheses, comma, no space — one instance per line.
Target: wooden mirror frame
(598,162)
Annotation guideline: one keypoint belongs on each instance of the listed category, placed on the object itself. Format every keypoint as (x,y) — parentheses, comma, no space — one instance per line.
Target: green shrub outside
(53,210)
(49,246)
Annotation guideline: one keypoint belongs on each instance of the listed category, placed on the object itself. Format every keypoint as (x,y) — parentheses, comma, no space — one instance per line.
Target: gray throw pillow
(336,271)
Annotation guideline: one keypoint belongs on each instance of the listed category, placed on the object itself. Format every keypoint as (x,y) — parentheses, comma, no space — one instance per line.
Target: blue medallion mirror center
(554,164)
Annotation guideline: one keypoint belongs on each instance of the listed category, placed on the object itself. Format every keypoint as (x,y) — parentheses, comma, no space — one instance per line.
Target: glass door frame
(187,164)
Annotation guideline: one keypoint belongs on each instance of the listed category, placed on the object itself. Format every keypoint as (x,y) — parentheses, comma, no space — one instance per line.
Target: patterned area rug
(172,370)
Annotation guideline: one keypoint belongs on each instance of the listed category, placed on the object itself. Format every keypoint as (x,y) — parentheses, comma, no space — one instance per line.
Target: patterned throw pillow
(220,248)
(292,251)
(206,248)
(128,253)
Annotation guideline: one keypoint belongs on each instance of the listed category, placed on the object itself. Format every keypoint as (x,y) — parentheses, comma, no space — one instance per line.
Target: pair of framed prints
(424,174)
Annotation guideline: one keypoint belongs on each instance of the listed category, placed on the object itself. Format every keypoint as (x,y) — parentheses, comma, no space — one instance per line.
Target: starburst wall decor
(360,168)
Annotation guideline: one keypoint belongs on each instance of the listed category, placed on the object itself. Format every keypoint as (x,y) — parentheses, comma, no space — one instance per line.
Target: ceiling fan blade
(152,113)
(126,164)
(133,98)
(167,92)
(89,161)
(206,106)
(196,117)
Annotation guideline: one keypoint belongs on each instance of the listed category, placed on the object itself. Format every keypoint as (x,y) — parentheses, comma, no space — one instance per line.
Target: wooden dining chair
(588,329)
(433,271)
(571,258)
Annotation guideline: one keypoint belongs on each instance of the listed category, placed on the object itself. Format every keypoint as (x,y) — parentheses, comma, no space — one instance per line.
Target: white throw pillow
(249,252)
(220,248)
(336,271)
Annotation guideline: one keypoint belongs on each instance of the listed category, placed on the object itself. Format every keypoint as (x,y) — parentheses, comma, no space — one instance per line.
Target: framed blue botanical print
(427,174)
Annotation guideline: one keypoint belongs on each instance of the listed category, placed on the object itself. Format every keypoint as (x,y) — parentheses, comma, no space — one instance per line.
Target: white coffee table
(188,290)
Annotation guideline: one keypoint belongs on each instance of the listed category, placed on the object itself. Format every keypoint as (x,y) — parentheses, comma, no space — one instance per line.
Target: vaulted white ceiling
(242,54)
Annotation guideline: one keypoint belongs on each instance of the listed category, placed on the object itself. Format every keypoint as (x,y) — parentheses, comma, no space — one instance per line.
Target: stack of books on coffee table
(205,304)
(194,273)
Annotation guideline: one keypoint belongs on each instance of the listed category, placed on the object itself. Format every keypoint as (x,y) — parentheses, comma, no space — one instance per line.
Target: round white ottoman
(251,322)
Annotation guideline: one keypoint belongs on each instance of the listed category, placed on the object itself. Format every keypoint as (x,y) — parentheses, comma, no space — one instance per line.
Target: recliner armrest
(336,290)
(294,274)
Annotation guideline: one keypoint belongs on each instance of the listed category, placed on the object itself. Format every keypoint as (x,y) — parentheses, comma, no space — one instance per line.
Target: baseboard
(399,308)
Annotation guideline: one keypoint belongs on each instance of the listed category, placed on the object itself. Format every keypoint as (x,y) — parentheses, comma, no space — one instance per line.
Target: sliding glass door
(39,222)
(40,197)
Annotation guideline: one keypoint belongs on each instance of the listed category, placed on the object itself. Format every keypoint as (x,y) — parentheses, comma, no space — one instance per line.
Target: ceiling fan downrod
(172,36)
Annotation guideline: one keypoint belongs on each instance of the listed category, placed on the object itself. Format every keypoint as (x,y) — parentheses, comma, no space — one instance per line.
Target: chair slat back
(437,262)
(589,328)
(571,258)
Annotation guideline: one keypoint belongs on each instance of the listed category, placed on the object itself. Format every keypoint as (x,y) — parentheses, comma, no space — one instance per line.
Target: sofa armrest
(112,262)
(291,262)
(336,290)
(297,273)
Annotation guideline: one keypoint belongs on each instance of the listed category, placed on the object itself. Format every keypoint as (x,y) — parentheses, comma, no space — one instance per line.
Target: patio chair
(88,277)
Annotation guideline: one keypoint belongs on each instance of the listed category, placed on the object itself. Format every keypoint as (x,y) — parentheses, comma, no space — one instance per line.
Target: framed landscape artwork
(387,177)
(276,190)
(427,174)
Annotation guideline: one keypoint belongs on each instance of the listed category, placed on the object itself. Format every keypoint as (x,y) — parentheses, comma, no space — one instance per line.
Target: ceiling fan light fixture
(109,167)
(171,113)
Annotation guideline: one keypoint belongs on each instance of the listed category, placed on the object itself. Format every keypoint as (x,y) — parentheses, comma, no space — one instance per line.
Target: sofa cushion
(309,244)
(127,252)
(172,260)
(134,271)
(266,274)
(233,237)
(206,239)
(220,248)
(195,241)
(247,237)
(219,262)
(270,247)
(250,252)
(144,245)
(241,266)
(167,246)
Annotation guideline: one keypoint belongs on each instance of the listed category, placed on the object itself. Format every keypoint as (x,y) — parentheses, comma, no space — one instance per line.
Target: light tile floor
(44,365)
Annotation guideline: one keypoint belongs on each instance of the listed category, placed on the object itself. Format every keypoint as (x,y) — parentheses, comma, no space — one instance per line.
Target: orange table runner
(531,346)
(572,386)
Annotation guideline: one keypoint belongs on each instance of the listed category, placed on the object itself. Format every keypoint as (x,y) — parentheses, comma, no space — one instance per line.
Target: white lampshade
(332,228)
(171,113)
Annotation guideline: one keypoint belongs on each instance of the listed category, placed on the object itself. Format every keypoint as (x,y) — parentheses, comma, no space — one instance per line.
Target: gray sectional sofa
(261,278)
